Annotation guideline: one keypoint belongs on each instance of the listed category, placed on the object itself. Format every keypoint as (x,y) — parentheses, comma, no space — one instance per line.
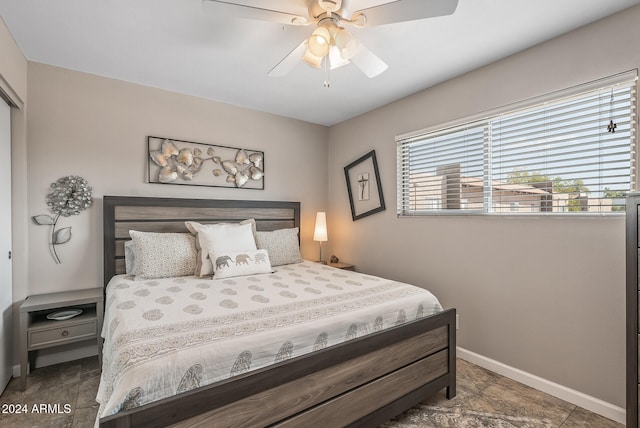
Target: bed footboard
(362,382)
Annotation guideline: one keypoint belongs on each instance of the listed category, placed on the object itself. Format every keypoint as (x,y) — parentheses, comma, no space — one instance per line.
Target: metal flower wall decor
(69,196)
(184,162)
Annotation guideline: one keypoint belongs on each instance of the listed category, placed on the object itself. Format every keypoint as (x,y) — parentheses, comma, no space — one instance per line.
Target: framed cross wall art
(363,185)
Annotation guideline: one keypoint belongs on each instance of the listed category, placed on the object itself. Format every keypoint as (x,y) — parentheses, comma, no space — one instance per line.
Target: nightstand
(39,332)
(340,265)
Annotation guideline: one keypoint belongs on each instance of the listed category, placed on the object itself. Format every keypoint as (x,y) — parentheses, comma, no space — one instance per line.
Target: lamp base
(320,261)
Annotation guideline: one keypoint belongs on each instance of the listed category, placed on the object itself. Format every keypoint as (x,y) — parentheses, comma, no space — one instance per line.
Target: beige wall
(541,294)
(13,68)
(13,84)
(95,127)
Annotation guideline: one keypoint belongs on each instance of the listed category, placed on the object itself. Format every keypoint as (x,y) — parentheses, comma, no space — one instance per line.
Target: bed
(382,366)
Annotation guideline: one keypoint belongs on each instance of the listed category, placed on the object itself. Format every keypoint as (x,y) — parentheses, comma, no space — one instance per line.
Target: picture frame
(364,187)
(172,161)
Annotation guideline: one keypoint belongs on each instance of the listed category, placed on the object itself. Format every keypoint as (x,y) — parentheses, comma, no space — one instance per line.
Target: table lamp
(320,233)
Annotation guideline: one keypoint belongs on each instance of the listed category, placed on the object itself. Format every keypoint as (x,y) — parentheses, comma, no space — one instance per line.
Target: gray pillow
(163,255)
(282,245)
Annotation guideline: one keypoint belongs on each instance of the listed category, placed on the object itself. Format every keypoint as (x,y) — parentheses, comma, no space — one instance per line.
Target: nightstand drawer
(67,333)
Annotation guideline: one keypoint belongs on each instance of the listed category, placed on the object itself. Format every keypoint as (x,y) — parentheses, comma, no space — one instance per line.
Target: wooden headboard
(124,213)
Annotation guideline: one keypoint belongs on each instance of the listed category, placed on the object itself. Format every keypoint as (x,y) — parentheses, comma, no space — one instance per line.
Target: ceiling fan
(330,44)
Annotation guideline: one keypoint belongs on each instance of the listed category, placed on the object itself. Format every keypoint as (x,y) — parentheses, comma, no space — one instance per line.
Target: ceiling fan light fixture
(311,59)
(319,42)
(335,59)
(346,43)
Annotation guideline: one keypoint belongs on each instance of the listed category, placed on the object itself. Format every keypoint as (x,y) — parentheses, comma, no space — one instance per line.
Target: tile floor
(74,384)
(484,399)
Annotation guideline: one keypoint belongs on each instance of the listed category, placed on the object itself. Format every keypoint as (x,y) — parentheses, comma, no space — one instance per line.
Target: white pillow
(238,263)
(282,245)
(220,237)
(163,255)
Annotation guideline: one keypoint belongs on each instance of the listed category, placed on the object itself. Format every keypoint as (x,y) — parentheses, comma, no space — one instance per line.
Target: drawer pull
(43,337)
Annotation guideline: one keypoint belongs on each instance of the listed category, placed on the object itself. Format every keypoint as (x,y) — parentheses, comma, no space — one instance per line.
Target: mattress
(171,335)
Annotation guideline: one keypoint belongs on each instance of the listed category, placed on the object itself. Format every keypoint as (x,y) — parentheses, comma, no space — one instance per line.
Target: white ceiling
(177,45)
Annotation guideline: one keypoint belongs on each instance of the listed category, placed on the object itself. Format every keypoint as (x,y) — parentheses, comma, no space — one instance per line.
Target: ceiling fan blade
(406,10)
(230,9)
(368,62)
(288,62)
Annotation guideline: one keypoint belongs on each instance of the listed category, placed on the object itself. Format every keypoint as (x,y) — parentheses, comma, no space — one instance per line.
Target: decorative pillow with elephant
(220,237)
(239,263)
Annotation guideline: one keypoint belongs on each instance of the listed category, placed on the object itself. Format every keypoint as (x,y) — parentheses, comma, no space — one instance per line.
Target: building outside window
(572,153)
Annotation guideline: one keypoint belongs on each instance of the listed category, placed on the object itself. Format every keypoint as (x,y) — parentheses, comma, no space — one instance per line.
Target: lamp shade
(320,233)
(311,59)
(346,43)
(335,60)
(319,42)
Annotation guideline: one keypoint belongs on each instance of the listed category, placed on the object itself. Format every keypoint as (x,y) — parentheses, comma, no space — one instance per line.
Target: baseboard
(569,395)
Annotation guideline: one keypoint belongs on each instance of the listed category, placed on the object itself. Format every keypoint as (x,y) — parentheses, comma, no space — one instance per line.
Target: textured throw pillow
(238,263)
(129,258)
(282,245)
(220,237)
(163,255)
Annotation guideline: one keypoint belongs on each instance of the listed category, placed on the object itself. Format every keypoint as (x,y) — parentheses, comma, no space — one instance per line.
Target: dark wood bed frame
(362,382)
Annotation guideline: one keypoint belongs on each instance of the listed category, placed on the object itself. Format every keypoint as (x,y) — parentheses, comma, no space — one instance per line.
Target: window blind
(571,154)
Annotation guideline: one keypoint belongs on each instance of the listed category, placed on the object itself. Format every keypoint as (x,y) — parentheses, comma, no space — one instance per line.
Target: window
(572,153)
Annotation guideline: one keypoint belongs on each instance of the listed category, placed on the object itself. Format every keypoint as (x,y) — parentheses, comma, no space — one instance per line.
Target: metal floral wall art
(185,162)
(69,195)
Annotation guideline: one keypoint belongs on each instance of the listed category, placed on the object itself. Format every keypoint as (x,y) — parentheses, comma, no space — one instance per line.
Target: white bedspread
(172,335)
